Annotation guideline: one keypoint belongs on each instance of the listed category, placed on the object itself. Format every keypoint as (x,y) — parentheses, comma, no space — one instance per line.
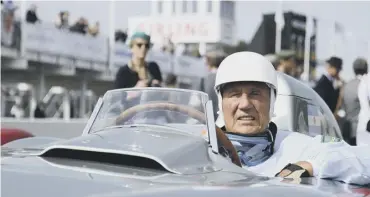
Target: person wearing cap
(287,63)
(138,72)
(350,102)
(326,85)
(363,127)
(246,86)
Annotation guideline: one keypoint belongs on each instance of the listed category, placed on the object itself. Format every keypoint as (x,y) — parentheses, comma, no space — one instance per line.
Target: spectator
(138,72)
(81,26)
(120,36)
(94,30)
(7,24)
(40,110)
(168,45)
(325,87)
(31,16)
(17,110)
(350,101)
(287,62)
(213,60)
(171,81)
(63,20)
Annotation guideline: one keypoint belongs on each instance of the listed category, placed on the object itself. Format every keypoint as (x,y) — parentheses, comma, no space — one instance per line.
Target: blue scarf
(252,150)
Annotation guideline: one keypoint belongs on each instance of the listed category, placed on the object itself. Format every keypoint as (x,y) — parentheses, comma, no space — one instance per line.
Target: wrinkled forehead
(244,85)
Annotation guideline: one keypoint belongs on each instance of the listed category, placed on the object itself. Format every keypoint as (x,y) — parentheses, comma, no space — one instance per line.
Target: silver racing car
(155,142)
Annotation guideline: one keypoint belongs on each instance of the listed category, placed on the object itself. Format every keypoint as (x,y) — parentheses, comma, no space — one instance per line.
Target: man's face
(290,65)
(332,71)
(246,107)
(140,48)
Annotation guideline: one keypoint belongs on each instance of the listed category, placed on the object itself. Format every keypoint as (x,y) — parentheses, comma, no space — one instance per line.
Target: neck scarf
(253,150)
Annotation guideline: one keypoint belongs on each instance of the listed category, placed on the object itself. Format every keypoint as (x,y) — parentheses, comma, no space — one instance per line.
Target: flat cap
(272,57)
(360,63)
(285,54)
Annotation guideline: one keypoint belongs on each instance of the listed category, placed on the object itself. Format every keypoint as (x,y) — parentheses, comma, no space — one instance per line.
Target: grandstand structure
(67,72)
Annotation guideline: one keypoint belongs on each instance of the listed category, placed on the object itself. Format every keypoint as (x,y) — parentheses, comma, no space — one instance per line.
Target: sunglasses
(142,44)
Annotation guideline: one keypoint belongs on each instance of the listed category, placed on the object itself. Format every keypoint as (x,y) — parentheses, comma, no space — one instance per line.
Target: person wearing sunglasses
(138,72)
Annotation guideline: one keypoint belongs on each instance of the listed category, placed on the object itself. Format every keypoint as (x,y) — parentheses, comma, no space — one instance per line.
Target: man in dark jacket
(325,86)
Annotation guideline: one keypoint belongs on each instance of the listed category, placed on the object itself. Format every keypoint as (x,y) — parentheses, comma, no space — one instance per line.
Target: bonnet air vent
(103,157)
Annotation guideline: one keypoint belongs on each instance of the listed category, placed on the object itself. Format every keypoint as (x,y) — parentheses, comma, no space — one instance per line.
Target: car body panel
(291,109)
(148,143)
(191,167)
(83,178)
(9,135)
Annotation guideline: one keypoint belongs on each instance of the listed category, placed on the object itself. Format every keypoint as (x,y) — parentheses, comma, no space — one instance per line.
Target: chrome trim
(212,135)
(159,89)
(93,116)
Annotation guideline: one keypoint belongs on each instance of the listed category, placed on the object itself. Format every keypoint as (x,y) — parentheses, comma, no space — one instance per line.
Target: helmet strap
(220,122)
(272,103)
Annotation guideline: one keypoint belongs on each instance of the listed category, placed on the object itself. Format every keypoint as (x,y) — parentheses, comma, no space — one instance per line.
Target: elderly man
(246,86)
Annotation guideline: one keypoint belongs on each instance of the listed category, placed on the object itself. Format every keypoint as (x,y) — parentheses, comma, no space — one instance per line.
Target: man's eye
(255,93)
(234,94)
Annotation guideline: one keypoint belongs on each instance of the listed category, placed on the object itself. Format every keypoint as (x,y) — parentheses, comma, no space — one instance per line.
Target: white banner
(47,38)
(180,29)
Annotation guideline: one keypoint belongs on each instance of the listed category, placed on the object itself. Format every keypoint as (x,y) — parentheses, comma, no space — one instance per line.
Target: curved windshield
(180,109)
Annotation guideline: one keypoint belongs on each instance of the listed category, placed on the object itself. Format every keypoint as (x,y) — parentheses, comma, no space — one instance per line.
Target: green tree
(241,46)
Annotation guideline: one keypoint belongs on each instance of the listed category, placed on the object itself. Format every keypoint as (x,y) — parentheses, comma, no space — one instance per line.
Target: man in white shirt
(17,111)
(246,86)
(350,103)
(363,133)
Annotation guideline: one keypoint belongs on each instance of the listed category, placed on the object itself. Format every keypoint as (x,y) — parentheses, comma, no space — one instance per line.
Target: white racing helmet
(241,67)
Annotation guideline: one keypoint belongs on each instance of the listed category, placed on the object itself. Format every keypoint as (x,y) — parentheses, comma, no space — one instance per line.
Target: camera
(150,84)
(155,85)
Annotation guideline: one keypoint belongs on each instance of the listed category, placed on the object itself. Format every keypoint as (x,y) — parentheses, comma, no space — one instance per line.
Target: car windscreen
(181,109)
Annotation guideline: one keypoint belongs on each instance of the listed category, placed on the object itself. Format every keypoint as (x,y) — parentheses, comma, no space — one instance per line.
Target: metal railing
(44,42)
